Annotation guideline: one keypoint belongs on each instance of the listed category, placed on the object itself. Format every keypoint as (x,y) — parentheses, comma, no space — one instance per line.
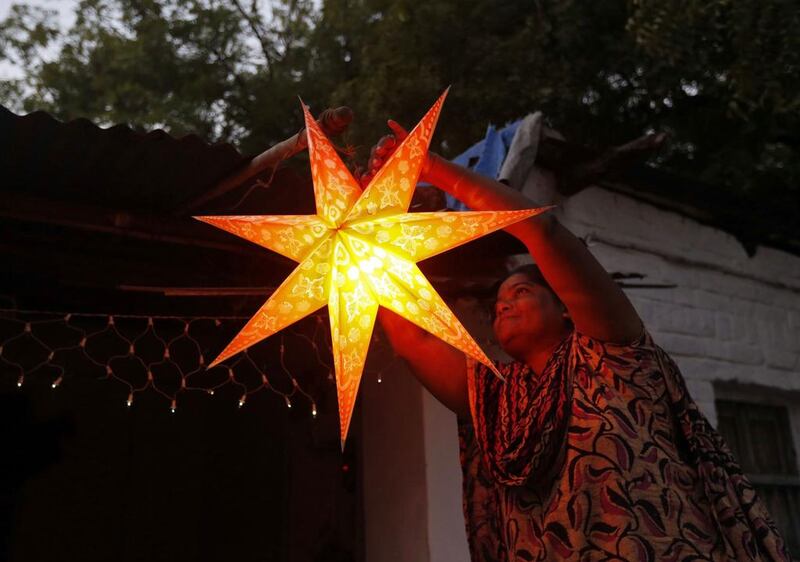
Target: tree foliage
(721,77)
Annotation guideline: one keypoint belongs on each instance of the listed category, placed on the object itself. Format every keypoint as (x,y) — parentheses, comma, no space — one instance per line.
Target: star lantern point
(360,252)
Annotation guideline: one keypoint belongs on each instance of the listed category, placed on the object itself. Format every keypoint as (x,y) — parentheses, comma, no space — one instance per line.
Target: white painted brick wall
(731,317)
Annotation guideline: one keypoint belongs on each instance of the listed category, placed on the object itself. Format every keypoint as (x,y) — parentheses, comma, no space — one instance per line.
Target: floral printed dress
(603,457)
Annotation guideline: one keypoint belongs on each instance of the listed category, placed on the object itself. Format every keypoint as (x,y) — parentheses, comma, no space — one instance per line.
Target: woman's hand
(332,121)
(381,152)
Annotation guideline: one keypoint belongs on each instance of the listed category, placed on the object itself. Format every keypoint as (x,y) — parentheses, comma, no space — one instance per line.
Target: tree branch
(254,27)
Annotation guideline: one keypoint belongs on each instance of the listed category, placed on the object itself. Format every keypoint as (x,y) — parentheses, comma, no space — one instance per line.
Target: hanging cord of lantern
(333,121)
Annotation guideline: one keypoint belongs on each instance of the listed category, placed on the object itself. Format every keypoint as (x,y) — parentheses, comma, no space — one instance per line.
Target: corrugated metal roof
(115,167)
(96,211)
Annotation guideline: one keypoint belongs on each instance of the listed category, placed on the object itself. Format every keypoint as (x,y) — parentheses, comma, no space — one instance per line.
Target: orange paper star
(359,252)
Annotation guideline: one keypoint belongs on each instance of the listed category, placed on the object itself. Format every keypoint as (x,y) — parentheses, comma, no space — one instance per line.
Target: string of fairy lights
(159,354)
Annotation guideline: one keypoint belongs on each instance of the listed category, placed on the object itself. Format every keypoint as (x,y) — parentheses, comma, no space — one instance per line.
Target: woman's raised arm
(441,368)
(597,305)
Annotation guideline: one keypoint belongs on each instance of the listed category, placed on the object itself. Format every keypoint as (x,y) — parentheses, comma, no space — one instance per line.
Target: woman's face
(524,313)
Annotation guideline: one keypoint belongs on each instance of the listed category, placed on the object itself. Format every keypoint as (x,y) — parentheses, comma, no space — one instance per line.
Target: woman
(592,448)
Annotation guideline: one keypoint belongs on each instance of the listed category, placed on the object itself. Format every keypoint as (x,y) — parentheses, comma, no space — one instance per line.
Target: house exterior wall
(730,319)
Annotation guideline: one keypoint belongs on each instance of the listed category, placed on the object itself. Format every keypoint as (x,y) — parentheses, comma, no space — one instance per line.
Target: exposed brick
(725,330)
(710,300)
(736,352)
(778,359)
(684,320)
(683,345)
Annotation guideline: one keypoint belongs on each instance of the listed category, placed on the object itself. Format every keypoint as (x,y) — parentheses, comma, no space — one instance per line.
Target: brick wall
(730,317)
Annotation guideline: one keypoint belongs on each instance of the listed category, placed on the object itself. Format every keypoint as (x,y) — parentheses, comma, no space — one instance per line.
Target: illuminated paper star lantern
(359,252)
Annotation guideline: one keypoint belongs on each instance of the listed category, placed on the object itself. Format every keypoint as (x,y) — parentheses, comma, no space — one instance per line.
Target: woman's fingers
(382,150)
(385,146)
(335,121)
(399,131)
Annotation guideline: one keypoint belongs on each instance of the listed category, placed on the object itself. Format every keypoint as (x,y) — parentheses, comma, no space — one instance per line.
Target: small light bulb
(380,380)
(20,380)
(313,410)
(57,381)
(242,400)
(129,401)
(211,391)
(288,402)
(173,407)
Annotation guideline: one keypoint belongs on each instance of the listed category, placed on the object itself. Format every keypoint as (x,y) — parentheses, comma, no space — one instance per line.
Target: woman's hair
(534,275)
